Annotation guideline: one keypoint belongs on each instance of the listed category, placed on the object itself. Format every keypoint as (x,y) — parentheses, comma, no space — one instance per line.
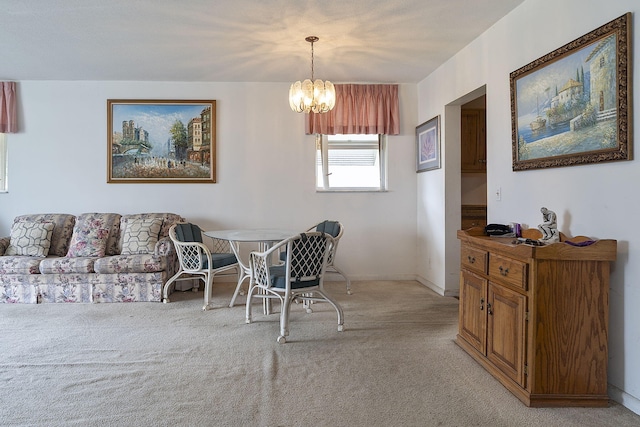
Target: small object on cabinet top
(522,240)
(497,230)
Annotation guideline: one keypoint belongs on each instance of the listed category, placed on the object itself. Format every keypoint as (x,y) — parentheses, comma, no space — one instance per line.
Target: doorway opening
(473,163)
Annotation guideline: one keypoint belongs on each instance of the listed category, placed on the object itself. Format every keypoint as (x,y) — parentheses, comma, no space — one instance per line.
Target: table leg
(244,272)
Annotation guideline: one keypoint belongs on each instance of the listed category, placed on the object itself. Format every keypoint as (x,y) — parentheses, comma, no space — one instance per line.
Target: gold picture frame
(161,141)
(573,105)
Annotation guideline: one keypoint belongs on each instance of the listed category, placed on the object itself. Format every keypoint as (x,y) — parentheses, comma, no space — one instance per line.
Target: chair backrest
(308,259)
(305,261)
(187,232)
(335,229)
(330,227)
(190,255)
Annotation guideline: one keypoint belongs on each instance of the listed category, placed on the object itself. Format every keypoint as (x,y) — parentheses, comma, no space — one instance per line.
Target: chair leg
(337,270)
(208,291)
(337,307)
(249,298)
(306,303)
(285,308)
(165,291)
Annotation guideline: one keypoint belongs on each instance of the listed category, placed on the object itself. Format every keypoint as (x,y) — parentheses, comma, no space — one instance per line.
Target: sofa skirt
(82,288)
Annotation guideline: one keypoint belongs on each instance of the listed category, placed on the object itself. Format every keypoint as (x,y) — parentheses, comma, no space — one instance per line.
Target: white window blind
(350,162)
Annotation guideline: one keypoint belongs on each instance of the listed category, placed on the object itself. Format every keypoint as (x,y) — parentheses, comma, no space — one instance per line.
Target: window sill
(351,190)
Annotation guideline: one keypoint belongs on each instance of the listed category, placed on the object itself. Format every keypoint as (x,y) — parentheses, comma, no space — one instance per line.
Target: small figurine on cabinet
(549,228)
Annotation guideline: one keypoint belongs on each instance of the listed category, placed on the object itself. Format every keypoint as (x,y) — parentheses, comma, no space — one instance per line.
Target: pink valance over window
(360,109)
(8,109)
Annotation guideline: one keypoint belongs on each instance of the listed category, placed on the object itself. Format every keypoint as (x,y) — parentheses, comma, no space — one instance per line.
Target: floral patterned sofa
(94,257)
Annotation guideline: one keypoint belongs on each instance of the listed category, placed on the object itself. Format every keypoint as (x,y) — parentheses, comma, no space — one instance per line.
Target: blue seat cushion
(279,279)
(221,260)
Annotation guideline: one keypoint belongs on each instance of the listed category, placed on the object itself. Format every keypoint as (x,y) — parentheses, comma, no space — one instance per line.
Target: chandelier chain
(312,61)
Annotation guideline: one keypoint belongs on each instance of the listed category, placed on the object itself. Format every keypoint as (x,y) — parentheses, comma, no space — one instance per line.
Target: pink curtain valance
(360,109)
(8,109)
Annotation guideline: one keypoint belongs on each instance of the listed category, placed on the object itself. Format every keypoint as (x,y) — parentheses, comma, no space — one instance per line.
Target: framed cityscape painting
(428,145)
(572,106)
(161,141)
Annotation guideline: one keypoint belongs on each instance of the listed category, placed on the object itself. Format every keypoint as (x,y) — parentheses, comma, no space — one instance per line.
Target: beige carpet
(152,364)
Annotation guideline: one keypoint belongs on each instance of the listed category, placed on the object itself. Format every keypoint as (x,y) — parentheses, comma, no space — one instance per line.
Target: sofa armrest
(164,247)
(4,244)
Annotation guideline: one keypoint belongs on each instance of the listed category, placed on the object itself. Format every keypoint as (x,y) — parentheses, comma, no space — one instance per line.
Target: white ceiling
(399,41)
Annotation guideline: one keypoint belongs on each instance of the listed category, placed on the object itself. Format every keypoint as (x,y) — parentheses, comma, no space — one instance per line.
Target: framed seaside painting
(572,106)
(428,145)
(161,141)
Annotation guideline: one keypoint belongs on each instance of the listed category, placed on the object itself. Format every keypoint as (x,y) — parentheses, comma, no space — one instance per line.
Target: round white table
(265,237)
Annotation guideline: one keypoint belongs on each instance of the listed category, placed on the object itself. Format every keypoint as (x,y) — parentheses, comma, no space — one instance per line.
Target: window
(3,163)
(351,162)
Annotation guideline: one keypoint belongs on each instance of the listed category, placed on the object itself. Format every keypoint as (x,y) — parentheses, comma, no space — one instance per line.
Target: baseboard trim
(625,399)
(437,289)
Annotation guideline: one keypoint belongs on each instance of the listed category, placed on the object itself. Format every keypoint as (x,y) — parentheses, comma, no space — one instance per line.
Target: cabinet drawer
(474,259)
(508,270)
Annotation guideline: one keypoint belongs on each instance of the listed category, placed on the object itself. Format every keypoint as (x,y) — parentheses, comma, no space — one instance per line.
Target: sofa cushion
(63,227)
(140,235)
(30,238)
(113,240)
(168,219)
(19,265)
(91,233)
(141,263)
(4,244)
(65,265)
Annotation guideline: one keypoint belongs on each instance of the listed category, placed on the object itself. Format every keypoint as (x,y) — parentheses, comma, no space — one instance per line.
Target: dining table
(264,237)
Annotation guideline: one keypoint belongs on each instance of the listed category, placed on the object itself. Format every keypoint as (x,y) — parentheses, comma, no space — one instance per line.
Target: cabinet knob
(489,311)
(471,259)
(503,271)
(481,304)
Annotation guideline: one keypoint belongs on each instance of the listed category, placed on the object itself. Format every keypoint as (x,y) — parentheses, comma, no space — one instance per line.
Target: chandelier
(310,95)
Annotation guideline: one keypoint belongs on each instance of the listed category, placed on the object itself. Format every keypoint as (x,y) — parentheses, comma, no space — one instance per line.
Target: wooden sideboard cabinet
(536,317)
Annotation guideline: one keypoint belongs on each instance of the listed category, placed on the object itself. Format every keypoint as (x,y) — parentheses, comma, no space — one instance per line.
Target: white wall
(598,200)
(266,175)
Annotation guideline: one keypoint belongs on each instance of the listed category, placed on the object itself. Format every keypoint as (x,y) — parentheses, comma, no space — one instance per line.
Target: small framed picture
(428,145)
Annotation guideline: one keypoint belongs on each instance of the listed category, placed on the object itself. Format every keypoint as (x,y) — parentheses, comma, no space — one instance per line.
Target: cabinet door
(473,141)
(473,314)
(506,331)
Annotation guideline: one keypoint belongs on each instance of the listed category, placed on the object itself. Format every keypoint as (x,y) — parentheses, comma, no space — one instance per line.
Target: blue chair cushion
(186,232)
(221,260)
(330,227)
(279,279)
